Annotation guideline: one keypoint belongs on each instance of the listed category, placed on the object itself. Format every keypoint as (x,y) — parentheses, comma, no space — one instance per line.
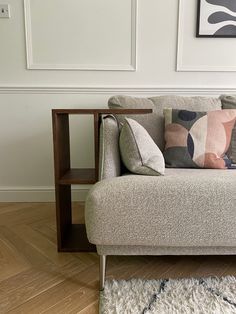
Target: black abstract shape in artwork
(229,4)
(219,17)
(228,30)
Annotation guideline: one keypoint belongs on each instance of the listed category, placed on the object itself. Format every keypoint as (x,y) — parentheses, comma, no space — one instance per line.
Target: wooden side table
(72,237)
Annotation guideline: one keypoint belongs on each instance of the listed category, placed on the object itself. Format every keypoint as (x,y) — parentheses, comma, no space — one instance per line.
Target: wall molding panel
(33,65)
(110,90)
(180,63)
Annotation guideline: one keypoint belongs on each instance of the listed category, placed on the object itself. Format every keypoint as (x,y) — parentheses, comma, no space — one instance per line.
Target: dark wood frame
(198,25)
(72,237)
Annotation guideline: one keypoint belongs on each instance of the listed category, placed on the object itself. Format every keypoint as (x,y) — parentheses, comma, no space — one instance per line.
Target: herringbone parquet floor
(34,278)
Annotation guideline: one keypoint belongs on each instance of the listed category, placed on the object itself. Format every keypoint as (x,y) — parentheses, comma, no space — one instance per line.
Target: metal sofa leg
(102,271)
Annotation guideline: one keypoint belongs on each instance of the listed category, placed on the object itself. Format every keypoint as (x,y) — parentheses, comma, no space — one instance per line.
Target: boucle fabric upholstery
(138,151)
(162,250)
(109,156)
(186,207)
(154,122)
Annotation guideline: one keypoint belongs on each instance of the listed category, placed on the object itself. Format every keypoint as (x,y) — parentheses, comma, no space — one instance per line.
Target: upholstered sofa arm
(109,156)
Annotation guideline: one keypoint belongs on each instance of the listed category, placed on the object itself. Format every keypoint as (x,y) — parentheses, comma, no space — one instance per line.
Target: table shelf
(79,176)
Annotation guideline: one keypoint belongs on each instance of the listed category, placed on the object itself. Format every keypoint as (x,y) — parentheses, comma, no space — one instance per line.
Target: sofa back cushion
(154,122)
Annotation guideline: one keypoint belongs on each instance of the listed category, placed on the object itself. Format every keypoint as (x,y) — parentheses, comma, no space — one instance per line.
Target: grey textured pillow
(139,152)
(229,102)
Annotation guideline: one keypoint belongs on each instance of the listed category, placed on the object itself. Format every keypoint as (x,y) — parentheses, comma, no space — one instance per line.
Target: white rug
(183,296)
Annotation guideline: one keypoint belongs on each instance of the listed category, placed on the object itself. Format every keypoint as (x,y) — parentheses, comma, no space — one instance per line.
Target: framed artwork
(216,18)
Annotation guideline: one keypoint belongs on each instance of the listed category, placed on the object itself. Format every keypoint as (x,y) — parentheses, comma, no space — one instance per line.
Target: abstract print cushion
(198,139)
(229,102)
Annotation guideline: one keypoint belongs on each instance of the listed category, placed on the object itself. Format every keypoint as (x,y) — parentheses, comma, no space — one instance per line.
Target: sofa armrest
(109,155)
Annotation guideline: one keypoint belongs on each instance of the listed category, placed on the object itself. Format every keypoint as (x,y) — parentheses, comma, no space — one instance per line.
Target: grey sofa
(187,211)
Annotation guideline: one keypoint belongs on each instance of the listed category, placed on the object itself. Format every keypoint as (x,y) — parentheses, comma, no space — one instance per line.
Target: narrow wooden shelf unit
(72,237)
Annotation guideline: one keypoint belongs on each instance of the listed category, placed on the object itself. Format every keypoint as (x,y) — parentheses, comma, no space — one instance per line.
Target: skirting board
(37,194)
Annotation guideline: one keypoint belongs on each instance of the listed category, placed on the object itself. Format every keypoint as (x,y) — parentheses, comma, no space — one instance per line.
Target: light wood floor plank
(21,247)
(91,308)
(42,244)
(83,283)
(11,207)
(29,214)
(11,263)
(45,228)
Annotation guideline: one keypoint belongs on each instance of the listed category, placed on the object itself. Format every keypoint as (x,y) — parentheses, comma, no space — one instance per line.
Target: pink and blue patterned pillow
(198,139)
(229,102)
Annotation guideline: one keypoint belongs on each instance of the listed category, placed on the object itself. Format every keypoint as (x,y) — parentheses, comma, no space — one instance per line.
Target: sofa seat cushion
(186,207)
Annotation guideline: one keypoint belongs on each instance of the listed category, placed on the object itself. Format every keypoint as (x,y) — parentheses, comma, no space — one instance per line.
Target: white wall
(58,35)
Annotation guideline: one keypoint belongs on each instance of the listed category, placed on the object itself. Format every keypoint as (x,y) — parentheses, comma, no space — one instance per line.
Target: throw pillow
(198,139)
(139,152)
(229,102)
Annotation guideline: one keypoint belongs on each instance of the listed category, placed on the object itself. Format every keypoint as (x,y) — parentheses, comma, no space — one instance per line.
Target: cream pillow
(139,152)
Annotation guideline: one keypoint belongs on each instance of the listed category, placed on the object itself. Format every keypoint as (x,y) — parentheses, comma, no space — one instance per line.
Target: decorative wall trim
(37,194)
(111,90)
(31,65)
(180,66)
(179,54)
